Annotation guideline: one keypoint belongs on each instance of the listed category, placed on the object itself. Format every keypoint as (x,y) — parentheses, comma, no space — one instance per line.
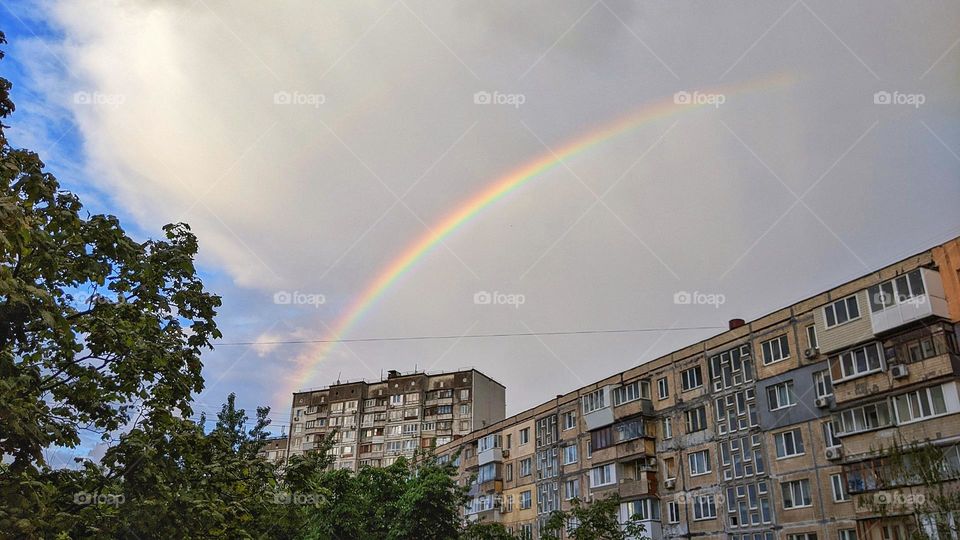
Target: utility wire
(471,336)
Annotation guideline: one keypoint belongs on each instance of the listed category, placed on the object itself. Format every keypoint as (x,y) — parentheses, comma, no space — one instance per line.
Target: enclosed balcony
(910,297)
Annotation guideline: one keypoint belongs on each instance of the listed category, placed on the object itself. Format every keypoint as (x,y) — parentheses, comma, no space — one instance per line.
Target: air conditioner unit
(822,402)
(506,453)
(810,353)
(832,453)
(899,371)
(670,483)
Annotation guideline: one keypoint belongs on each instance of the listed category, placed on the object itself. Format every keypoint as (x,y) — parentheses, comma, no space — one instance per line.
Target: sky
(312,146)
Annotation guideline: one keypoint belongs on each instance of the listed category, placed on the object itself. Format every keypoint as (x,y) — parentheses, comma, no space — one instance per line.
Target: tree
(596,521)
(918,481)
(96,328)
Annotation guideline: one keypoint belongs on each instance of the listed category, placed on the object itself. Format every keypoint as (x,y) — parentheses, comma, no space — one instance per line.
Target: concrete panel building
(774,429)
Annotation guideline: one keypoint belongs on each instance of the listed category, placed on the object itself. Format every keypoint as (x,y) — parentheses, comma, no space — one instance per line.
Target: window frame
(770,348)
(832,313)
(684,378)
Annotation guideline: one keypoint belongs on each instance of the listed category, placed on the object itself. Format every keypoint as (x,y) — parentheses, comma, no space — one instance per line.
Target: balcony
(911,297)
(490,455)
(598,418)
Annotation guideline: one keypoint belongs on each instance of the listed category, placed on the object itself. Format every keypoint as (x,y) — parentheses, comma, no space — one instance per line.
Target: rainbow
(496,191)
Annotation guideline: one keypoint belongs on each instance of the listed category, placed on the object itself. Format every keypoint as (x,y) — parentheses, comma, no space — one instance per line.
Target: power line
(471,336)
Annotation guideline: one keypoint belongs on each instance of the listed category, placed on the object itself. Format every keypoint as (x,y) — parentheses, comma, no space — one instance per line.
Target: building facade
(774,429)
(376,422)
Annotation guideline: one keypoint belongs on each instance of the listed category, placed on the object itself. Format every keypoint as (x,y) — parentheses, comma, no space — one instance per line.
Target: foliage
(596,521)
(917,480)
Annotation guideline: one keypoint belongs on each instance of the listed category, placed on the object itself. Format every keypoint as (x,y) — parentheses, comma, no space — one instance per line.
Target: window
(789,443)
(802,536)
(775,350)
(396,400)
(413,398)
(896,291)
(731,368)
(696,419)
(704,507)
(524,436)
(848,534)
(667,428)
(642,509)
(464,394)
(796,494)
(699,462)
(780,396)
(663,389)
(691,378)
(830,433)
(628,392)
(569,420)
(865,418)
(569,454)
(603,475)
(669,464)
(919,404)
(571,488)
(812,341)
(508,472)
(464,409)
(601,438)
(842,311)
(839,488)
(860,361)
(673,512)
(526,499)
(821,381)
(593,401)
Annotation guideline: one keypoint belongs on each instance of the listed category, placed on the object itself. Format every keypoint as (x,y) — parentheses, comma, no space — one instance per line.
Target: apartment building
(774,429)
(376,422)
(274,449)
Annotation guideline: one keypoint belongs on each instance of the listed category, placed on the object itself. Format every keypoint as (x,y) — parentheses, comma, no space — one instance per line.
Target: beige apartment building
(774,429)
(376,422)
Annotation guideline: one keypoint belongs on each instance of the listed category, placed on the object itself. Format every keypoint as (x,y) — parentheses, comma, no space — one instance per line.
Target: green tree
(95,328)
(595,521)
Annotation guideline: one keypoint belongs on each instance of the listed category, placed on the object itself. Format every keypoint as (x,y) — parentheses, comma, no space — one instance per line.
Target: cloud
(286,133)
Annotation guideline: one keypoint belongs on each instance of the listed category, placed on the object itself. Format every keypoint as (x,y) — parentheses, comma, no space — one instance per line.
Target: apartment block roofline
(923,258)
(394,374)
